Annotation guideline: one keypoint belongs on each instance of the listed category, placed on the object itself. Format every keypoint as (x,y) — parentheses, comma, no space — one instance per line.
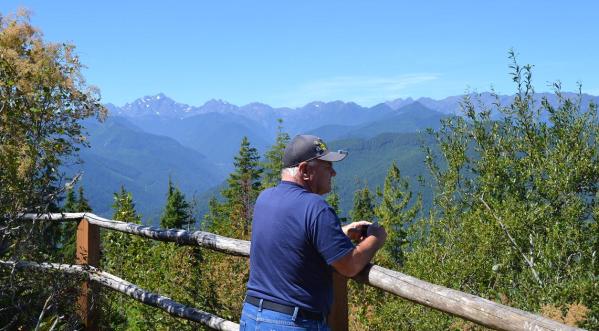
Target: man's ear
(303,170)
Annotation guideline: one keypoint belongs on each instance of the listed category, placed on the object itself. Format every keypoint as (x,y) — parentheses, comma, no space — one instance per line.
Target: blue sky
(288,53)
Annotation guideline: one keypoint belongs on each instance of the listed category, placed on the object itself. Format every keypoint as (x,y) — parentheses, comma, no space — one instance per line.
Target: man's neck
(297,180)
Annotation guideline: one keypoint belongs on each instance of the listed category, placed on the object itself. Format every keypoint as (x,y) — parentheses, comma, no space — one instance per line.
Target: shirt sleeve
(328,238)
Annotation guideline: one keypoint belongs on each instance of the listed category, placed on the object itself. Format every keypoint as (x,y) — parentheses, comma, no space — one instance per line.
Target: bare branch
(39,320)
(514,243)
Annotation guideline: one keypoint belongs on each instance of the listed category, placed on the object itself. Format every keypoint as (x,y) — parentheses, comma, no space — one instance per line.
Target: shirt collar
(288,183)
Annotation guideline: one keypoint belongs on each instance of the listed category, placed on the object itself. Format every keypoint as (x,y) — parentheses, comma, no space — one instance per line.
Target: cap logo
(321,147)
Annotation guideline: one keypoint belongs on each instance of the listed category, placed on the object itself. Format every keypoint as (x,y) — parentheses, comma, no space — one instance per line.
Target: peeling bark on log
(464,305)
(182,237)
(198,238)
(117,284)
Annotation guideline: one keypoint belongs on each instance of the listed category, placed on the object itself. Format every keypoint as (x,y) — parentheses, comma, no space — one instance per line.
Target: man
(296,238)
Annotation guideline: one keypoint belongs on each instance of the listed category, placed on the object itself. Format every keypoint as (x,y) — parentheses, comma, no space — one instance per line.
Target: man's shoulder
(316,204)
(297,195)
(316,199)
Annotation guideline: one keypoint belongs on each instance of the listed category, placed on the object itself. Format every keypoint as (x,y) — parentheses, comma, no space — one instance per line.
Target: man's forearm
(352,263)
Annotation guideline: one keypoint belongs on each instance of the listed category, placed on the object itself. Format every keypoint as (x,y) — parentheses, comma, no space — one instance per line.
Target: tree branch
(513,241)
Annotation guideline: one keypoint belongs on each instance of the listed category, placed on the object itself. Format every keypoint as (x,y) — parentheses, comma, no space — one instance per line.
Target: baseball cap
(305,147)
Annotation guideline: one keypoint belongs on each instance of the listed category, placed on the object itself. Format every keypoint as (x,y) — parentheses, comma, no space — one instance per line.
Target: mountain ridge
(147,105)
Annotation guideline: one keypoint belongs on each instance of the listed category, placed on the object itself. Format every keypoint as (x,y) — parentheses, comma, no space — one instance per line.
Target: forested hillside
(370,159)
(123,154)
(142,151)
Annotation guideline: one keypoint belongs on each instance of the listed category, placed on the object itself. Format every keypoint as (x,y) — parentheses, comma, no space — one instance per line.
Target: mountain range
(144,142)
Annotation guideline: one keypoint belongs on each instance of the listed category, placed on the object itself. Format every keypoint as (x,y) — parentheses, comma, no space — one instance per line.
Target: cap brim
(333,156)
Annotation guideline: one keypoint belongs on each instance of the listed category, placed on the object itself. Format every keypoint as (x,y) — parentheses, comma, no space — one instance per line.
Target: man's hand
(358,258)
(377,231)
(355,230)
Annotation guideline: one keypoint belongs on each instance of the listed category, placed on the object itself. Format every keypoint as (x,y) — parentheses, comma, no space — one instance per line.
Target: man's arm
(354,261)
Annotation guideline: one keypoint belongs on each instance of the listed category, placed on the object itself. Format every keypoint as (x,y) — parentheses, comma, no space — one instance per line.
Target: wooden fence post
(88,252)
(338,317)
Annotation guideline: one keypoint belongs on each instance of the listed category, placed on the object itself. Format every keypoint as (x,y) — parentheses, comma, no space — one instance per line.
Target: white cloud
(364,90)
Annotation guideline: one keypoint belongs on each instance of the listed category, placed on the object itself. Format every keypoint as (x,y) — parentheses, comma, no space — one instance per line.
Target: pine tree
(363,208)
(334,200)
(175,271)
(68,230)
(243,189)
(123,256)
(82,203)
(232,218)
(214,217)
(363,297)
(124,207)
(274,158)
(393,213)
(70,204)
(177,212)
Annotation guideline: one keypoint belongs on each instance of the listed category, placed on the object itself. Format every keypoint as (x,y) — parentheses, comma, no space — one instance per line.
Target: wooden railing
(466,306)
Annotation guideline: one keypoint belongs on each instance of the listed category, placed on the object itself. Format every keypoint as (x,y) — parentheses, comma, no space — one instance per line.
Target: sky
(289,53)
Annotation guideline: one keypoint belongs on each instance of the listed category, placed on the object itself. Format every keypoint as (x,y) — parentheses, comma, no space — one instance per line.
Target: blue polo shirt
(296,236)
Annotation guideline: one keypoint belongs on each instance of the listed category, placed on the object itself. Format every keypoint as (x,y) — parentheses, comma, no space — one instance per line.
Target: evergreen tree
(363,208)
(70,204)
(243,189)
(333,200)
(232,218)
(177,213)
(393,213)
(166,268)
(214,218)
(274,158)
(82,203)
(124,207)
(122,254)
(231,289)
(68,230)
(362,297)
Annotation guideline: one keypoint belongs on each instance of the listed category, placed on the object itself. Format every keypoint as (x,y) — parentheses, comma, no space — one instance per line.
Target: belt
(289,310)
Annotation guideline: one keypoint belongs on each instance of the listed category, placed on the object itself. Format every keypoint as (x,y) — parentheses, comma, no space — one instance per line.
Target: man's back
(295,237)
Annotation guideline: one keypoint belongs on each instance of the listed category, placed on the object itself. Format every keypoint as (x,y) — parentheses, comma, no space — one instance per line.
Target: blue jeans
(253,319)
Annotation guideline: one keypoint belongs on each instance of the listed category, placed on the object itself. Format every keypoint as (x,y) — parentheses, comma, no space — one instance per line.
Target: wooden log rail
(198,238)
(478,310)
(117,284)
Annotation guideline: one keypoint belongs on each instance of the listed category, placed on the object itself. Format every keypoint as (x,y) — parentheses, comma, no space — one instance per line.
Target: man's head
(308,162)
